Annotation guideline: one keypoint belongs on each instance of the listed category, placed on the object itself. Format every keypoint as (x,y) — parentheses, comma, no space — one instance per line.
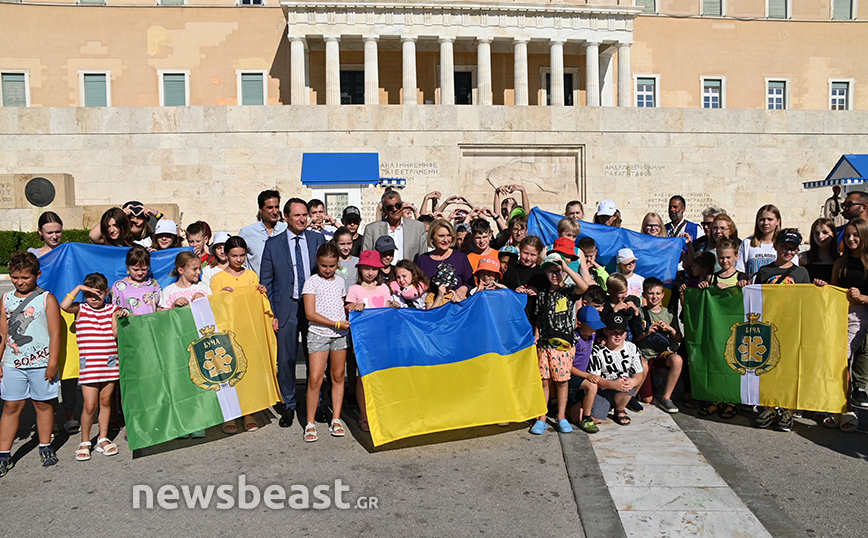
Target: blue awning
(393,182)
(318,169)
(833,182)
(850,169)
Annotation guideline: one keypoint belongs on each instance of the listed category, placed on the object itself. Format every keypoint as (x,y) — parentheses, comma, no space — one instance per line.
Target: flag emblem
(216,360)
(753,345)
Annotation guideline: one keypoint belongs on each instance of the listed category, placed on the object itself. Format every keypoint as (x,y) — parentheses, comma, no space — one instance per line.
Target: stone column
(607,77)
(483,70)
(625,80)
(297,71)
(372,71)
(556,76)
(409,65)
(520,53)
(447,72)
(592,73)
(333,70)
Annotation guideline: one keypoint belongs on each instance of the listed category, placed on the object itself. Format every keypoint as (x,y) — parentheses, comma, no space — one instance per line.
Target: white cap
(607,208)
(166,226)
(220,237)
(625,255)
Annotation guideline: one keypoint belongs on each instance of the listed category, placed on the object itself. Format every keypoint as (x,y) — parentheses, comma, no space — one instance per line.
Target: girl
(219,260)
(96,334)
(823,253)
(187,288)
(343,239)
(166,235)
(229,279)
(368,292)
(327,337)
(140,230)
(526,275)
(50,230)
(759,249)
(488,275)
(114,228)
(139,293)
(652,224)
(410,285)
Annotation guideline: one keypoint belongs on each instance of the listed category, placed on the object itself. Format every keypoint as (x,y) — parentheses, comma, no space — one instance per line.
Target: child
(319,221)
(758,249)
(385,245)
(198,235)
(619,300)
(343,239)
(96,326)
(187,288)
(218,260)
(444,283)
(50,230)
(588,322)
(139,293)
(508,257)
(166,235)
(481,231)
(526,276)
(554,314)
(701,269)
(655,343)
(728,276)
(410,285)
(597,272)
(627,266)
(463,238)
(596,297)
(327,337)
(619,367)
(351,220)
(487,275)
(30,347)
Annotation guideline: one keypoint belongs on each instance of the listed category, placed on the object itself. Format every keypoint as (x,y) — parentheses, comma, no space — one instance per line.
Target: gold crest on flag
(216,359)
(753,345)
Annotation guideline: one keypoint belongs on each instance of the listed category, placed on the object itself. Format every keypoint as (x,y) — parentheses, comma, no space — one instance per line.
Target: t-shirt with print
(173,292)
(28,340)
(378,297)
(347,270)
(772,274)
(329,303)
(612,365)
(583,352)
(750,259)
(634,285)
(554,314)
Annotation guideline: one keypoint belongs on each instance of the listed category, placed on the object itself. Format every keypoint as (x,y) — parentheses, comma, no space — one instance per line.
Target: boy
(385,245)
(627,266)
(589,248)
(596,297)
(351,219)
(515,232)
(481,231)
(487,275)
(198,237)
(30,347)
(654,344)
(508,256)
(554,324)
(619,366)
(319,221)
(588,323)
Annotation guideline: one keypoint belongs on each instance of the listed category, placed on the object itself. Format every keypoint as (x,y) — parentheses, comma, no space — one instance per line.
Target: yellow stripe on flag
(68,365)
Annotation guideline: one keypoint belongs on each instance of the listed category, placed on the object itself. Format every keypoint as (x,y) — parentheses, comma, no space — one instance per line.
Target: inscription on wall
(7,194)
(696,204)
(410,170)
(633,170)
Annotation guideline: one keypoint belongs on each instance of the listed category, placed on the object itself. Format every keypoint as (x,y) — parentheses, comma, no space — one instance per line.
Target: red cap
(371,258)
(565,247)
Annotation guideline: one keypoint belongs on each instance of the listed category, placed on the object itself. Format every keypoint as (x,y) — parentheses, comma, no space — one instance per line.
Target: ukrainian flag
(457,366)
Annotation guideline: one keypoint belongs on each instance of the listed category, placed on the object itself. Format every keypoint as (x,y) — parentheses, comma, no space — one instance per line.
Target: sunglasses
(394,207)
(846,205)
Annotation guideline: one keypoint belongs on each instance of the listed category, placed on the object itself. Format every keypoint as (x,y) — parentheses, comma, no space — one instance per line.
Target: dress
(223,279)
(136,298)
(97,346)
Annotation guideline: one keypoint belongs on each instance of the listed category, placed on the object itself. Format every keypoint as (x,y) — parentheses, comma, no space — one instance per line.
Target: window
(777,94)
(839,95)
(252,88)
(174,88)
(712,93)
(778,9)
(646,92)
(14,89)
(95,87)
(463,83)
(251,2)
(648,6)
(568,89)
(352,87)
(842,10)
(712,8)
(172,2)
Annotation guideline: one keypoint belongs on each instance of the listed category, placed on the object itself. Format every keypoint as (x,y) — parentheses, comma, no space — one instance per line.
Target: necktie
(299,266)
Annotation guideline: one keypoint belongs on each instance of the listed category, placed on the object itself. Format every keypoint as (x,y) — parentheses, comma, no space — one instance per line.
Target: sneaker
(588,426)
(48,457)
(634,405)
(667,405)
(785,422)
(539,427)
(564,426)
(859,398)
(5,465)
(766,418)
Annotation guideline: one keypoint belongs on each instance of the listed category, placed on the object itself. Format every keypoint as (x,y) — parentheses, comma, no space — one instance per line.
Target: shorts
(605,402)
(555,364)
(22,384)
(317,343)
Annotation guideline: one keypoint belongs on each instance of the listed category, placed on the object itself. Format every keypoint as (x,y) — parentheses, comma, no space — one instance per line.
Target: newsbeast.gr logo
(247,497)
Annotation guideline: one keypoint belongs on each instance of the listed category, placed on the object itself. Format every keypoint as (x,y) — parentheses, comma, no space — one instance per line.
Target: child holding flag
(139,293)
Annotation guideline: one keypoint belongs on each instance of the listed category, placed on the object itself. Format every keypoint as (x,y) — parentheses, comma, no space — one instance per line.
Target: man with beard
(679,225)
(269,224)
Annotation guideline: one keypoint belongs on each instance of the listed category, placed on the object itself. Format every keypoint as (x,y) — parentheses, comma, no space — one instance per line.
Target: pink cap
(371,258)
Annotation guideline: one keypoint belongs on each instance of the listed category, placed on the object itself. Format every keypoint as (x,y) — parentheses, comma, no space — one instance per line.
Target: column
(607,77)
(625,81)
(333,70)
(306,100)
(297,71)
(447,72)
(409,65)
(483,70)
(592,73)
(372,71)
(556,76)
(520,53)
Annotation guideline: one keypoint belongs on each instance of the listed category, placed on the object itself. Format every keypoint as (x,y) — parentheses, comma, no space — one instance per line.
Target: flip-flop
(849,423)
(71,426)
(230,428)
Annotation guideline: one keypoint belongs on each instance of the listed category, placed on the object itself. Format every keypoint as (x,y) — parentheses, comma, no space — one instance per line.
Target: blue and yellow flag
(457,366)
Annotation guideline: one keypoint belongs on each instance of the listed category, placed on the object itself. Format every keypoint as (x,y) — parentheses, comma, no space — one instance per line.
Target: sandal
(229,428)
(727,412)
(110,449)
(849,423)
(621,417)
(709,410)
(363,425)
(336,428)
(71,426)
(250,424)
(83,452)
(310,433)
(830,422)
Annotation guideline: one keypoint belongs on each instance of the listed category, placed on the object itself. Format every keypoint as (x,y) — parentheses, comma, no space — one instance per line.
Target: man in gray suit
(409,235)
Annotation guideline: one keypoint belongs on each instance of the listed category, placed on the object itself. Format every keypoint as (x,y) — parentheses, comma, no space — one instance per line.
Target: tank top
(97,346)
(853,276)
(28,341)
(820,271)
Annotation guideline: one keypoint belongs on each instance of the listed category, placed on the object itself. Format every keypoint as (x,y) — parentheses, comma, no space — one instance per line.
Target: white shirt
(290,236)
(398,235)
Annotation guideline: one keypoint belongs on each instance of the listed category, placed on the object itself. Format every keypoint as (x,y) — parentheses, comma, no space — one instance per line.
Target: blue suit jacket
(278,276)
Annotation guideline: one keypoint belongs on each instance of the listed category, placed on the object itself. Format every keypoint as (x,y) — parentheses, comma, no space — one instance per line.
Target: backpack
(655,340)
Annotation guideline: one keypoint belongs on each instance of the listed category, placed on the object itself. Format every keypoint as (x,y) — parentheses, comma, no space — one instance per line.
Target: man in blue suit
(288,260)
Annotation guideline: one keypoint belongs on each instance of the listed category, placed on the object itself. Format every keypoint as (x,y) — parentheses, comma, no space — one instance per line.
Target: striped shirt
(97,346)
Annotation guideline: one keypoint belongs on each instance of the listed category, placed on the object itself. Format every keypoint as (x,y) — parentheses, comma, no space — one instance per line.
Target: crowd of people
(606,342)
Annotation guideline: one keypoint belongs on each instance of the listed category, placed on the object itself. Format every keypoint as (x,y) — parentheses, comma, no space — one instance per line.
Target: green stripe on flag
(708,319)
(160,401)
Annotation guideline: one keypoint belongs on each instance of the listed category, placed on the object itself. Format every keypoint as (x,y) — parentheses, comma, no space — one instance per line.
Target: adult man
(409,235)
(287,260)
(679,225)
(832,207)
(268,225)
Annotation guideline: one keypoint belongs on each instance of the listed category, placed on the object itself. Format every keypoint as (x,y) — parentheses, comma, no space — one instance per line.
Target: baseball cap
(517,212)
(617,322)
(488,263)
(371,258)
(166,226)
(384,243)
(590,316)
(564,246)
(509,249)
(552,260)
(135,207)
(607,207)
(351,213)
(625,255)
(789,236)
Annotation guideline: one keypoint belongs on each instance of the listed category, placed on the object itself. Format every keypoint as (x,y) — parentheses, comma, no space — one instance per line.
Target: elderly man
(268,225)
(409,235)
